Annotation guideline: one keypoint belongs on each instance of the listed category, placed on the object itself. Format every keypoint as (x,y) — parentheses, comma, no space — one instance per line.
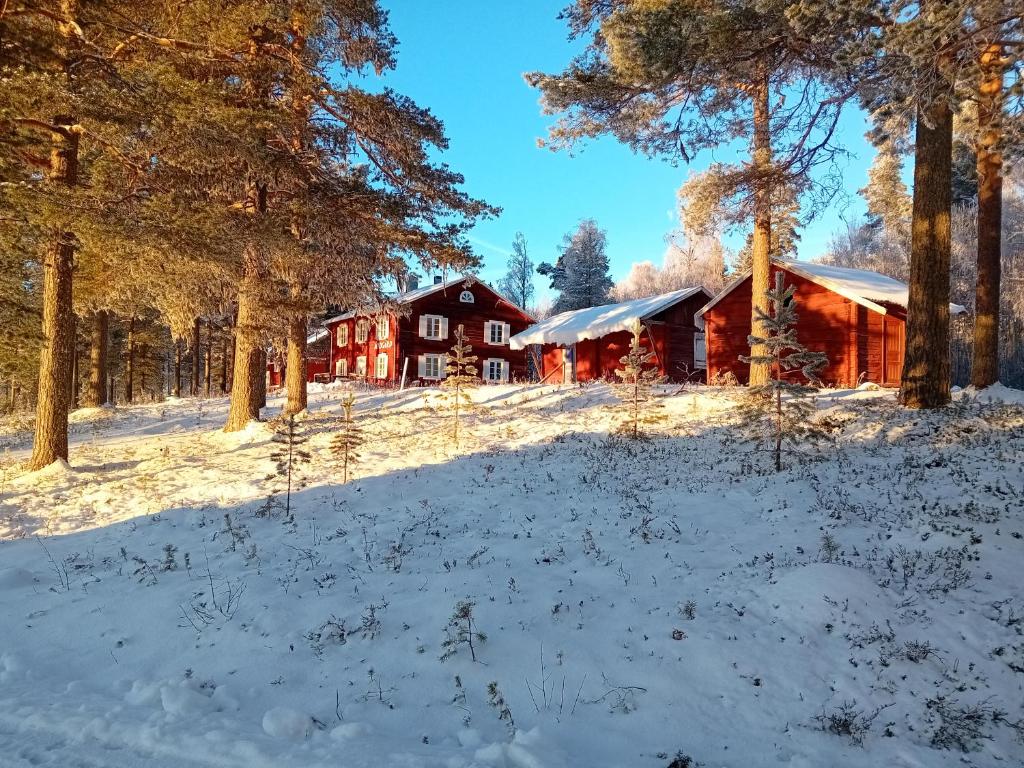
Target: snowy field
(654,603)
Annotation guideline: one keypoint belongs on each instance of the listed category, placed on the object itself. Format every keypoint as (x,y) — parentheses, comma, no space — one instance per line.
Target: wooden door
(893,351)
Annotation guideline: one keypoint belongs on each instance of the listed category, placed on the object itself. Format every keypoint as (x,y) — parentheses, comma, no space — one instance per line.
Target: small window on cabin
(342,335)
(495,332)
(341,367)
(362,331)
(466,297)
(382,365)
(431,327)
(383,328)
(433,367)
(361,365)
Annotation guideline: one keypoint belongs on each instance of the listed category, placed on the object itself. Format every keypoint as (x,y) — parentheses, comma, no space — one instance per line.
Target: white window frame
(383,327)
(503,333)
(342,335)
(361,366)
(362,331)
(341,366)
(382,357)
(487,371)
(435,333)
(466,297)
(438,363)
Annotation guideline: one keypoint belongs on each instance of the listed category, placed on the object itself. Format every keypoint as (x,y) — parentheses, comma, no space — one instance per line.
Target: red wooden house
(587,344)
(854,316)
(411,345)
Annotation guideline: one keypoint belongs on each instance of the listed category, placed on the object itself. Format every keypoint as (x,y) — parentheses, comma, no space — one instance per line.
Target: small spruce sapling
(461,630)
(349,439)
(788,420)
(638,378)
(289,451)
(460,377)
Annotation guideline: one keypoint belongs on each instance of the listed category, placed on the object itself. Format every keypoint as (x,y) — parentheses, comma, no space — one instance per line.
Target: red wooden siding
(851,335)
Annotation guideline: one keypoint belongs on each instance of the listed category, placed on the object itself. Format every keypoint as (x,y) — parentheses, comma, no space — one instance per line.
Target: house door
(893,352)
(568,364)
(700,350)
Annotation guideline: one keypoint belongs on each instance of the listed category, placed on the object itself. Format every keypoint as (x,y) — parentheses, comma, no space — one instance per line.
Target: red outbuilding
(587,344)
(411,345)
(854,316)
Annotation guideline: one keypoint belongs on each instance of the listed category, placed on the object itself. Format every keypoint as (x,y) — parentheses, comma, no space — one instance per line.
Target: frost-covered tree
(637,378)
(580,275)
(349,438)
(517,284)
(781,401)
(460,377)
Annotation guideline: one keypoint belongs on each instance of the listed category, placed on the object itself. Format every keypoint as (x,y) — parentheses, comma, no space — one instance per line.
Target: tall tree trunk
(261,384)
(224,362)
(141,363)
(985,366)
(129,370)
(74,363)
(295,370)
(925,381)
(96,393)
(762,236)
(177,368)
(209,356)
(248,375)
(50,441)
(196,358)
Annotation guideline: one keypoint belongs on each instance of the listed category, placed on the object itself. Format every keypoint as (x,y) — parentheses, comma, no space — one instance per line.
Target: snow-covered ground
(642,601)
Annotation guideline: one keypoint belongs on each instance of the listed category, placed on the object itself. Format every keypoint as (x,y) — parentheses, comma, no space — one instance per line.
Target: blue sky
(464,60)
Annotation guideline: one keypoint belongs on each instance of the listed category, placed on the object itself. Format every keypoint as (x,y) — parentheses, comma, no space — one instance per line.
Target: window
(362,331)
(495,369)
(343,335)
(466,297)
(432,366)
(383,328)
(495,332)
(382,365)
(361,365)
(433,327)
(341,367)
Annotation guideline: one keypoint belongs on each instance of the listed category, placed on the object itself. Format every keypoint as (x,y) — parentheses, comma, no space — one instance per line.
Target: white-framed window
(382,365)
(495,369)
(341,367)
(432,367)
(383,328)
(362,331)
(466,297)
(343,335)
(433,327)
(361,365)
(496,332)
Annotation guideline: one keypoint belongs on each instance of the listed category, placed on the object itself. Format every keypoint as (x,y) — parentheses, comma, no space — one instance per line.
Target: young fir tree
(349,439)
(460,377)
(635,388)
(289,451)
(789,419)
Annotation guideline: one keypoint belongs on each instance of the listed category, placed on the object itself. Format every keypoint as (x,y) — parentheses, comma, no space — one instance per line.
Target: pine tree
(581,274)
(347,442)
(460,377)
(517,284)
(790,419)
(289,451)
(637,379)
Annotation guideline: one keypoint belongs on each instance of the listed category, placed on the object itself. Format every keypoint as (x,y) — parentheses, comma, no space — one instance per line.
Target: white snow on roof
(870,289)
(316,336)
(595,322)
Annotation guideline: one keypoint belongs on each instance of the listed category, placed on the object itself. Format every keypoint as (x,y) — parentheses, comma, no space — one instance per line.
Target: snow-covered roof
(595,322)
(418,293)
(316,335)
(870,289)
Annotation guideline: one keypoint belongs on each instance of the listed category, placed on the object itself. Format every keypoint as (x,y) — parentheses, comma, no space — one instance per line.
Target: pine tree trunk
(985,366)
(224,363)
(50,441)
(925,381)
(74,363)
(193,388)
(295,372)
(261,383)
(177,368)
(247,382)
(762,236)
(129,371)
(209,357)
(141,364)
(96,393)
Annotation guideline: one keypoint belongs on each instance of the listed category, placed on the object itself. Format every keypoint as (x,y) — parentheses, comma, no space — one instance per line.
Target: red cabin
(412,346)
(587,344)
(854,316)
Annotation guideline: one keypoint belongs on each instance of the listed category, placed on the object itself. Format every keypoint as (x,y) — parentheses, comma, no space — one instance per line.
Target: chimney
(414,282)
(437,279)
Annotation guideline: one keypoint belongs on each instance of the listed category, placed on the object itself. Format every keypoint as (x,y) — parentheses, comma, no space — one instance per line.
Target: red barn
(854,316)
(411,346)
(586,344)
